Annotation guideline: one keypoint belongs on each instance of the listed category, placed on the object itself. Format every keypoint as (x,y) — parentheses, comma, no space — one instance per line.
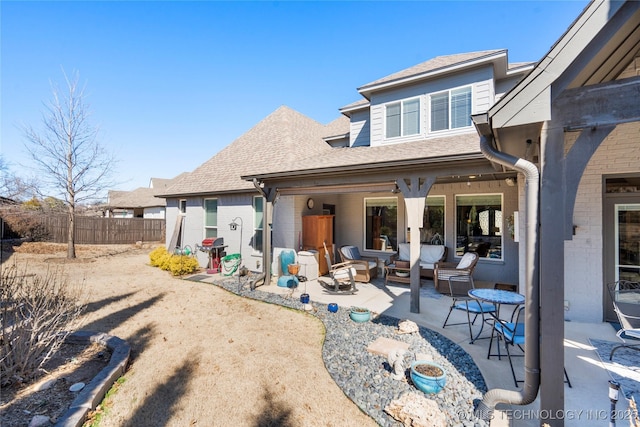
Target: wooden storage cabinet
(316,230)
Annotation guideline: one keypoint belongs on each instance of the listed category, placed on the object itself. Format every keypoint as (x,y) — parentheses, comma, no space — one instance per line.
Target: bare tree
(74,165)
(13,187)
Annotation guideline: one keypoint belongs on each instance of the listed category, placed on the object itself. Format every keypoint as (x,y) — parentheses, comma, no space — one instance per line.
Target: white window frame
(256,226)
(449,109)
(204,219)
(403,125)
(182,206)
(444,215)
(364,231)
(499,233)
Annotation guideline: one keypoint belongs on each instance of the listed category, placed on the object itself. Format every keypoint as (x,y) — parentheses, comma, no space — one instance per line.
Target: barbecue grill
(215,248)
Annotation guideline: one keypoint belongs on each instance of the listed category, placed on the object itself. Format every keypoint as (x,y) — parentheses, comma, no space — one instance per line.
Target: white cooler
(308,261)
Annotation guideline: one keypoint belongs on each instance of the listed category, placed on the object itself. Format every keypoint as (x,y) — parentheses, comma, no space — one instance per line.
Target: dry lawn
(200,356)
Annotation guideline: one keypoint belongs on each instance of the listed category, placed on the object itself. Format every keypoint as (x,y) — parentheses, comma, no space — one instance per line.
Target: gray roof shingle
(352,157)
(142,197)
(439,62)
(139,198)
(282,137)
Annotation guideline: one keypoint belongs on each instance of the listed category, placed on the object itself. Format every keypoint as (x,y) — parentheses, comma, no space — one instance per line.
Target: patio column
(552,214)
(415,193)
(270,195)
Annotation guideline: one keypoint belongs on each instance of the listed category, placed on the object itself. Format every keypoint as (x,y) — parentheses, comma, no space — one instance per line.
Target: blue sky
(169,84)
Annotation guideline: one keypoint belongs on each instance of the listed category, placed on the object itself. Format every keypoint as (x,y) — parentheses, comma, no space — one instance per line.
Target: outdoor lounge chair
(366,267)
(443,270)
(626,295)
(342,276)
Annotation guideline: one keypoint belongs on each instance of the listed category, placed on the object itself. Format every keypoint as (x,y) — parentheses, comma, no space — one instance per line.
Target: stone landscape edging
(93,393)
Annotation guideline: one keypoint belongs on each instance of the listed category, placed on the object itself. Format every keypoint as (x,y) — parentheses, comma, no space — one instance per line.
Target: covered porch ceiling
(379,179)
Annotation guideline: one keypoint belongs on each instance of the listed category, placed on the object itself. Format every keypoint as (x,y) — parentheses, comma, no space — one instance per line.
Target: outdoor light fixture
(614,390)
(234,226)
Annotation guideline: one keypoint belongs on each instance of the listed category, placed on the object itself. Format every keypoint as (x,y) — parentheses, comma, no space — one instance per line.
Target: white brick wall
(618,154)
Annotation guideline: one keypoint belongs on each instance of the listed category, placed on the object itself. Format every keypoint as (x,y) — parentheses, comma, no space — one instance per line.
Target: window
(433,221)
(182,206)
(479,225)
(210,218)
(403,118)
(451,109)
(381,223)
(258,223)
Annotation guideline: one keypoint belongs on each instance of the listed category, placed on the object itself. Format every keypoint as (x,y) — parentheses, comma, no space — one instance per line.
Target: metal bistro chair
(512,333)
(459,287)
(625,295)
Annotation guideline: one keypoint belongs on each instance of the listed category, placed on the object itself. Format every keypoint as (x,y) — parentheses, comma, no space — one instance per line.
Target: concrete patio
(586,403)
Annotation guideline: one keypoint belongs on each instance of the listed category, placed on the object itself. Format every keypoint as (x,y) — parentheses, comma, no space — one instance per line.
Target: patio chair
(366,266)
(443,270)
(459,287)
(342,276)
(512,333)
(625,296)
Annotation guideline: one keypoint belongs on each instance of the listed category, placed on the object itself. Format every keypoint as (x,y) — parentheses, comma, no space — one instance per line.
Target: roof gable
(594,49)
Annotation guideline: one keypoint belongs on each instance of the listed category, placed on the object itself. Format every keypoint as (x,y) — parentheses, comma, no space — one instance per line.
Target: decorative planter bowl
(427,376)
(293,269)
(360,314)
(304,298)
(333,307)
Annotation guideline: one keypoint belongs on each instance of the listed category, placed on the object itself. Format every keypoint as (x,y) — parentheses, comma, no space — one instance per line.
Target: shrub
(183,264)
(157,256)
(176,264)
(26,223)
(37,314)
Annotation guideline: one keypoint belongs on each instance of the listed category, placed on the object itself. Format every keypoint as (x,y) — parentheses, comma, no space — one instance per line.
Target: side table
(391,274)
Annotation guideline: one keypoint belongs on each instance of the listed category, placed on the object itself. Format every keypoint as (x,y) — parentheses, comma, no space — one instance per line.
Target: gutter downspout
(265,277)
(529,390)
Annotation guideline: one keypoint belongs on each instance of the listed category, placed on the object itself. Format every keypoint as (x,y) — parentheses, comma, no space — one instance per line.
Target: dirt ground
(200,356)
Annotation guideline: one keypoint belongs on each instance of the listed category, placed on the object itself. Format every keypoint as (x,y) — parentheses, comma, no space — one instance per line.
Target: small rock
(76,387)
(45,385)
(407,327)
(39,420)
(413,409)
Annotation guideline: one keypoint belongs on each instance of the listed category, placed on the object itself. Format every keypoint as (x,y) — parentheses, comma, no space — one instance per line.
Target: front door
(622,244)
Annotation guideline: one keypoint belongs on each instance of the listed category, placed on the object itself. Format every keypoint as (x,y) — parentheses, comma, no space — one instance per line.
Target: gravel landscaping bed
(366,378)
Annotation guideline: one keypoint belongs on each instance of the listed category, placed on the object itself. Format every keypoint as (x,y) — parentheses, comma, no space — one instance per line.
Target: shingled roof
(139,198)
(142,197)
(340,127)
(283,137)
(433,65)
(428,150)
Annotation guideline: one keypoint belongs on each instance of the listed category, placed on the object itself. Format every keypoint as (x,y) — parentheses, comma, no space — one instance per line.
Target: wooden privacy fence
(94,230)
